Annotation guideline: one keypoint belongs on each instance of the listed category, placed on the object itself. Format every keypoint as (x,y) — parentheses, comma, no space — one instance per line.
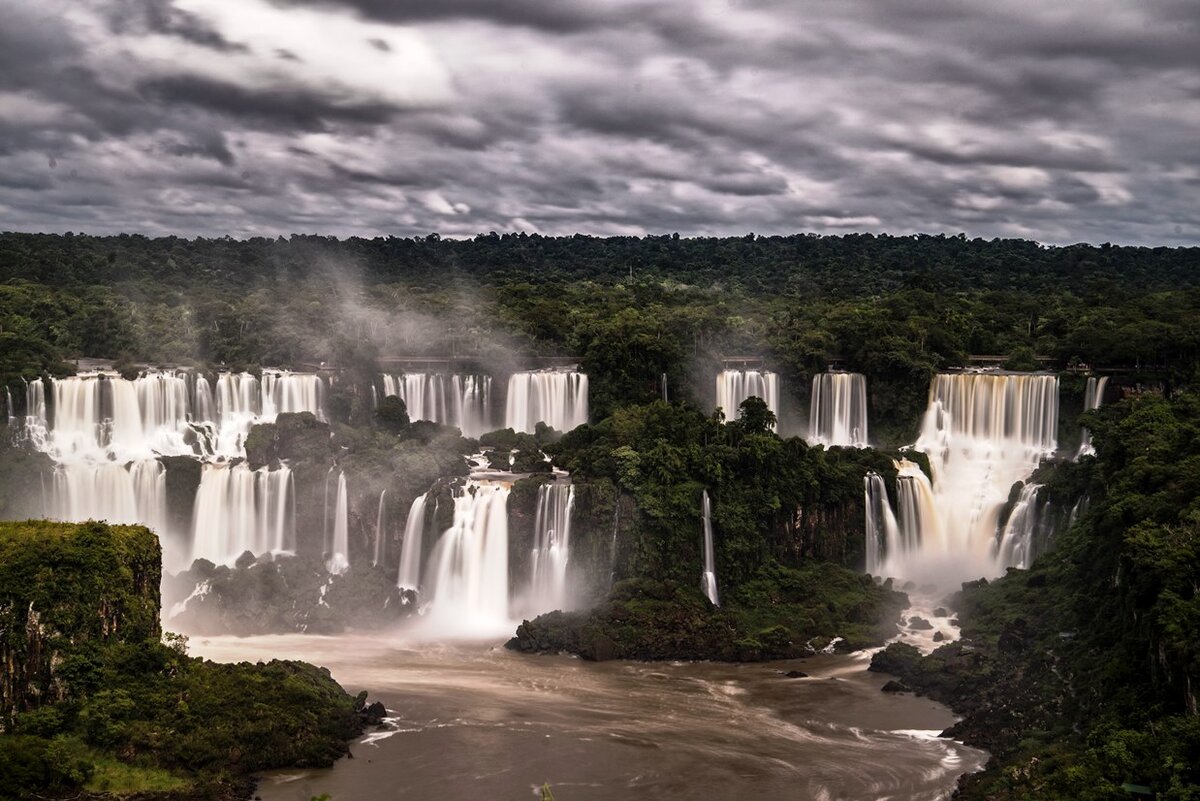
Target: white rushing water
(883,532)
(380,532)
(558,398)
(239,509)
(105,434)
(734,386)
(838,410)
(467,573)
(708,576)
(453,399)
(338,546)
(410,550)
(1017,538)
(551,549)
(1093,398)
(983,433)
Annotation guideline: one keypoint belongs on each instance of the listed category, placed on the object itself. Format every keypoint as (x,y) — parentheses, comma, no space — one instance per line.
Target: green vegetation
(96,699)
(1080,674)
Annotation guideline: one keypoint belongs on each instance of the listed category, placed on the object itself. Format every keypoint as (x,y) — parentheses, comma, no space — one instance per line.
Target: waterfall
(551,548)
(708,578)
(8,410)
(983,432)
(883,532)
(558,398)
(665,399)
(838,411)
(36,427)
(410,550)
(1093,398)
(380,542)
(339,547)
(1016,542)
(204,406)
(463,400)
(734,386)
(468,568)
(284,391)
(239,510)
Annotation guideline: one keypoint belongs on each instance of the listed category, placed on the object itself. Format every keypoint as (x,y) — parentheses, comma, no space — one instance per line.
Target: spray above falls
(838,410)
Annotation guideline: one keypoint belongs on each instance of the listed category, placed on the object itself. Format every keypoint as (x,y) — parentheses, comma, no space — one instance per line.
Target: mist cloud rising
(1060,122)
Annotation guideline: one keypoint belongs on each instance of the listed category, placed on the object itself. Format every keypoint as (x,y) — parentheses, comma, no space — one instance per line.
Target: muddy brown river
(479,722)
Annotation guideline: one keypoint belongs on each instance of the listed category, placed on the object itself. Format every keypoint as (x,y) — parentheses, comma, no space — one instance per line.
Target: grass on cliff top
(121,778)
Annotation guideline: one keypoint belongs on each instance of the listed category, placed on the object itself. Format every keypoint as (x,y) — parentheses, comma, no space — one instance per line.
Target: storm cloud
(1061,122)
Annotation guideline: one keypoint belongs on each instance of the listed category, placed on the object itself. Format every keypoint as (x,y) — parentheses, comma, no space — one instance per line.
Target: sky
(1057,120)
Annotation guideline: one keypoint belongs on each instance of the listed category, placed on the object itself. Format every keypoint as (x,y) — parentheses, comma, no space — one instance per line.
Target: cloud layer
(1062,122)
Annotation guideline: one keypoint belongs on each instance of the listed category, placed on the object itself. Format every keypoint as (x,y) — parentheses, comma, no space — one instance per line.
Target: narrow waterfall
(558,398)
(339,546)
(1016,542)
(734,386)
(463,400)
(1093,398)
(467,571)
(665,398)
(410,550)
(708,578)
(203,404)
(883,532)
(8,410)
(983,432)
(380,541)
(838,411)
(36,426)
(551,548)
(239,510)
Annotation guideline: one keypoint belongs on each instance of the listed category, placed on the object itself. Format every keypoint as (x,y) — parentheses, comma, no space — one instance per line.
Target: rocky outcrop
(64,585)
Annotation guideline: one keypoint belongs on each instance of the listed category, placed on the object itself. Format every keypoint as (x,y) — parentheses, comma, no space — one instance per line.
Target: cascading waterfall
(467,571)
(983,432)
(239,510)
(458,399)
(8,410)
(1093,398)
(339,546)
(838,411)
(883,532)
(380,542)
(708,578)
(558,398)
(106,433)
(551,549)
(734,386)
(1017,540)
(410,550)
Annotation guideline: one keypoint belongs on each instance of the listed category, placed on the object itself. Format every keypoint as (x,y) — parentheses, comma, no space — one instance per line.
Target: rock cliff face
(63,585)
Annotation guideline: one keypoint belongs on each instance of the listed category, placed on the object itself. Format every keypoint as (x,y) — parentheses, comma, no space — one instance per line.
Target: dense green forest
(631,309)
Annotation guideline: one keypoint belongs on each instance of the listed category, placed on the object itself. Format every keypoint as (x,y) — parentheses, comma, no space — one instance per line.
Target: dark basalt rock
(796,674)
(940,612)
(938,637)
(919,624)
(895,686)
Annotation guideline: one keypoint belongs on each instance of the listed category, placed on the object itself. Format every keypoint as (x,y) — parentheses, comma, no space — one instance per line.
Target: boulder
(895,686)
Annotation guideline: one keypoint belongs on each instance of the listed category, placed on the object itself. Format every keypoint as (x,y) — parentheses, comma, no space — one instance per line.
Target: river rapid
(475,721)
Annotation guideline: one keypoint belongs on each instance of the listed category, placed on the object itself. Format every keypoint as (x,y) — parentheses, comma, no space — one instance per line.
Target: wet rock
(938,637)
(895,686)
(796,674)
(919,624)
(954,622)
(373,714)
(940,612)
(245,560)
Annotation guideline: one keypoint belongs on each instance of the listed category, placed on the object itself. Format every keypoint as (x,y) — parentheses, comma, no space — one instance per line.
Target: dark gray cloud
(1058,121)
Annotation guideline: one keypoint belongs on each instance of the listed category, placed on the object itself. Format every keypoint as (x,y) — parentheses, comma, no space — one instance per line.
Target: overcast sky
(1057,120)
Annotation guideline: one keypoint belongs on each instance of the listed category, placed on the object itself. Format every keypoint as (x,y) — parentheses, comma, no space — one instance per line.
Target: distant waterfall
(380,541)
(410,550)
(239,510)
(1093,398)
(983,432)
(339,546)
(557,398)
(552,548)
(883,533)
(468,568)
(8,410)
(461,400)
(122,494)
(838,411)
(734,386)
(241,400)
(708,578)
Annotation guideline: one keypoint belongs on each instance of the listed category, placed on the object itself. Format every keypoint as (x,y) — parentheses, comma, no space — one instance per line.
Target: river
(475,722)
